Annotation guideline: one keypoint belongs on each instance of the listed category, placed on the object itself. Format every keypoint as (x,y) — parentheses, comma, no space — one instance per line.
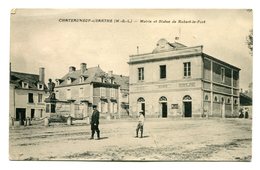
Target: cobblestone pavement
(164,140)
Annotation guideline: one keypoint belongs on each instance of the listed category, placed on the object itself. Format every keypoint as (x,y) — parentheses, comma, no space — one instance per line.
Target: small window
(187,69)
(40,86)
(81,79)
(69,81)
(162,71)
(103,91)
(57,94)
(216,99)
(235,101)
(47,108)
(141,73)
(223,75)
(81,92)
(39,98)
(25,85)
(58,82)
(68,94)
(113,92)
(30,97)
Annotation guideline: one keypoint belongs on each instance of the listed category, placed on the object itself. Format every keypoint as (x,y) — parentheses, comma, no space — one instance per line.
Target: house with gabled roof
(26,95)
(78,90)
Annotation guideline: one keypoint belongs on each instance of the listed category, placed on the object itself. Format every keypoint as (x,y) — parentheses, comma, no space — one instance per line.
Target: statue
(51,87)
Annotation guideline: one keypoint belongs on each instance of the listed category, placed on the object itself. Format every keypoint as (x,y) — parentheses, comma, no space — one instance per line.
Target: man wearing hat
(94,123)
(140,124)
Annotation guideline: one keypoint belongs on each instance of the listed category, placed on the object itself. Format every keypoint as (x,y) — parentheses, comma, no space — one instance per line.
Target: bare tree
(249,41)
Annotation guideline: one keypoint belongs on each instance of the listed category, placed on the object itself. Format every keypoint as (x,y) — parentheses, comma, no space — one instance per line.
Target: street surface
(164,140)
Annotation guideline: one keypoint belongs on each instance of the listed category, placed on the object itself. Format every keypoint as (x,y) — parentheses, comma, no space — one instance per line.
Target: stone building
(26,95)
(78,90)
(179,81)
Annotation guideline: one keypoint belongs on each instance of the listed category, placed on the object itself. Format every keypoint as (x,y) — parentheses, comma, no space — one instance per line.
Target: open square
(164,140)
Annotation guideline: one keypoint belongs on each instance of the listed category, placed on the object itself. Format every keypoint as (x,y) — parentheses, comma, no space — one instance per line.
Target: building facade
(79,90)
(26,95)
(179,81)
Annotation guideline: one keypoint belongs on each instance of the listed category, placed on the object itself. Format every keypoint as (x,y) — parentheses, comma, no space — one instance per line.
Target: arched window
(222,99)
(216,98)
(187,98)
(235,101)
(162,99)
(228,100)
(206,97)
(140,99)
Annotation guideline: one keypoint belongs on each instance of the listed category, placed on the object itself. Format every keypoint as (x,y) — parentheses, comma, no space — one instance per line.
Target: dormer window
(25,85)
(69,80)
(40,86)
(57,82)
(112,80)
(81,79)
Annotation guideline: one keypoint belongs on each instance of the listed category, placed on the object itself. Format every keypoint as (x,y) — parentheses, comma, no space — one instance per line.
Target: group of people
(244,113)
(95,122)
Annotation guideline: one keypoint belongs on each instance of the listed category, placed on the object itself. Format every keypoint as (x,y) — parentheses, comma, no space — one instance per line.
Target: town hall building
(179,81)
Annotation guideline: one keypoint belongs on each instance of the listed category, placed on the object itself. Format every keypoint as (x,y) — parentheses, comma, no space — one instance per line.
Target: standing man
(140,124)
(94,123)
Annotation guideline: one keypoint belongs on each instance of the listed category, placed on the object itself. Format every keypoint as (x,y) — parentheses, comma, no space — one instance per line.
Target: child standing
(140,124)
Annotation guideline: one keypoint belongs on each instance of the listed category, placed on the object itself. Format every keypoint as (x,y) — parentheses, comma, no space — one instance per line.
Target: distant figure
(241,115)
(140,124)
(94,123)
(246,113)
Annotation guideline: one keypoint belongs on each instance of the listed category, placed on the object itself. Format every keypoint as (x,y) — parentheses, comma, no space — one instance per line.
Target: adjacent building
(78,90)
(179,81)
(26,95)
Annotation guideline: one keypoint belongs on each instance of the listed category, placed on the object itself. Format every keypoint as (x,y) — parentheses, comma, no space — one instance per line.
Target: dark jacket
(95,117)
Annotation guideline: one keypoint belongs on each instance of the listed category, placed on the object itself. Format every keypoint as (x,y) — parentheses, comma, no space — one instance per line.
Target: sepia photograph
(142,85)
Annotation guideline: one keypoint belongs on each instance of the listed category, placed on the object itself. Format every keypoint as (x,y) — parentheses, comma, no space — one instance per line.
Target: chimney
(41,75)
(72,69)
(83,67)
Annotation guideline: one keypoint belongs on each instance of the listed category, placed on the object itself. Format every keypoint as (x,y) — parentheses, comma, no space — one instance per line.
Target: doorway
(187,109)
(163,106)
(164,110)
(141,104)
(20,115)
(32,113)
(187,106)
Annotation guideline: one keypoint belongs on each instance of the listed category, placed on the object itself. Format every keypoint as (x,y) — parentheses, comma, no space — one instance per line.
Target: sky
(40,39)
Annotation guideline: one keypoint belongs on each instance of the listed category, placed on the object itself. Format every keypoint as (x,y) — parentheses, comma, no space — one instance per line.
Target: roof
(17,78)
(220,61)
(123,81)
(245,100)
(93,74)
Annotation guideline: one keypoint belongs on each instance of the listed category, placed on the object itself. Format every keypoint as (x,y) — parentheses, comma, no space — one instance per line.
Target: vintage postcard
(131,84)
